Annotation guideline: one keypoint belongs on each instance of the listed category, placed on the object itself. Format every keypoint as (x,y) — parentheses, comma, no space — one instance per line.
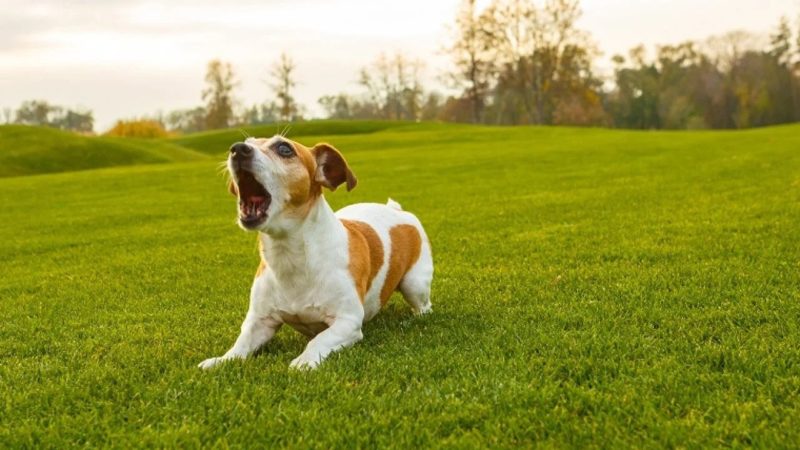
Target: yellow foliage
(138,128)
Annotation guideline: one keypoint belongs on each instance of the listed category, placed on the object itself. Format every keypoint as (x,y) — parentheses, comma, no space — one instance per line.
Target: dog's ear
(332,169)
(232,188)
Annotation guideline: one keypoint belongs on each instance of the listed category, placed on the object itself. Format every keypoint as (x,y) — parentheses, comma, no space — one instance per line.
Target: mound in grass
(217,142)
(31,150)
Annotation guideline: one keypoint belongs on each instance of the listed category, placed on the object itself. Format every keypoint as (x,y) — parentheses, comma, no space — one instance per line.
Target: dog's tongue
(257,200)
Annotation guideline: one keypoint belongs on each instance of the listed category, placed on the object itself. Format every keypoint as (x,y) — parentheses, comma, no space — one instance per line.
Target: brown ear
(332,169)
(232,188)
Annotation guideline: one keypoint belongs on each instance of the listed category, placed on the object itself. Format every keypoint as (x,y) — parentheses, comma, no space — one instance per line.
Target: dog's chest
(307,305)
(303,315)
(307,324)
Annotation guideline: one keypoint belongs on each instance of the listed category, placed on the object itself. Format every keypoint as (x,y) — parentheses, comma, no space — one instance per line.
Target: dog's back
(389,251)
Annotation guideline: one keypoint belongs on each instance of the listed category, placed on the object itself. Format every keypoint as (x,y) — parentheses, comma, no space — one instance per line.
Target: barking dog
(322,273)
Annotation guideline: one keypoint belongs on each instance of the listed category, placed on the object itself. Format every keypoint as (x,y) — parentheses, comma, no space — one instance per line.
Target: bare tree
(283,84)
(218,95)
(471,57)
(394,87)
(726,49)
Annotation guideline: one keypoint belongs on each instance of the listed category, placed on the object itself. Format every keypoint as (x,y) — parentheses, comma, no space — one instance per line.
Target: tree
(187,120)
(284,82)
(394,88)
(337,106)
(38,112)
(432,106)
(542,64)
(259,114)
(781,42)
(218,95)
(80,121)
(471,58)
(42,113)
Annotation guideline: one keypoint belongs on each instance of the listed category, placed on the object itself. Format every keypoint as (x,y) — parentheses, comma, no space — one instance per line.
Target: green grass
(30,150)
(593,288)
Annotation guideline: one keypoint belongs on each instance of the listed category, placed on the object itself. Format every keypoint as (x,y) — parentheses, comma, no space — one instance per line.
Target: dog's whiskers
(222,168)
(285,130)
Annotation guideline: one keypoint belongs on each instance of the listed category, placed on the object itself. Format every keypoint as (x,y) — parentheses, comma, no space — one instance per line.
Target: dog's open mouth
(254,199)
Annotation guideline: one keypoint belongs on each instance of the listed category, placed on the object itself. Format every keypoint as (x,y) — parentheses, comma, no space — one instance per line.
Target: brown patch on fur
(366,254)
(405,250)
(303,189)
(308,187)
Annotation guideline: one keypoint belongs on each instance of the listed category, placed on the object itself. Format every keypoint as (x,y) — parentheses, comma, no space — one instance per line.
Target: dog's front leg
(256,331)
(343,332)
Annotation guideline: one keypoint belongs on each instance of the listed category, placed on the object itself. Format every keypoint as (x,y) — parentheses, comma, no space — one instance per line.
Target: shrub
(138,128)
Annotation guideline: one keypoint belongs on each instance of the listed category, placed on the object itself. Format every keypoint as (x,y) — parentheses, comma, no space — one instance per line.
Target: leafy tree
(543,64)
(80,121)
(187,120)
(259,114)
(42,113)
(337,106)
(38,112)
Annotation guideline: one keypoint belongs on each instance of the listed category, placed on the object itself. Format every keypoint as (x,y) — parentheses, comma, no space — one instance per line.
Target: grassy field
(593,288)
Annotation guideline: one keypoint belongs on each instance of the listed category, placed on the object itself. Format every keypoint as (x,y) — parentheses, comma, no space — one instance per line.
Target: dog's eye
(285,150)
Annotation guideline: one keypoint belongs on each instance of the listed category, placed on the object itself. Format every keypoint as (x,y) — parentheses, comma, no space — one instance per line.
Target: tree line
(42,113)
(518,63)
(515,62)
(521,62)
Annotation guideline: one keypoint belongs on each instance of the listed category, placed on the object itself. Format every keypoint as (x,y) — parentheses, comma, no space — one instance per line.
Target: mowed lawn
(593,288)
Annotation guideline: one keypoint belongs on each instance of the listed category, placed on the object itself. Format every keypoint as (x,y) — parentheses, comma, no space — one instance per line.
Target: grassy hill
(592,288)
(29,150)
(216,142)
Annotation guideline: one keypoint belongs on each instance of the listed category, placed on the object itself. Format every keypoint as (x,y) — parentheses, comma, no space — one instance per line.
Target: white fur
(307,283)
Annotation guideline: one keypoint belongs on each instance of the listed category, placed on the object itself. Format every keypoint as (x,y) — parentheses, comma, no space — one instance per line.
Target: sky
(129,58)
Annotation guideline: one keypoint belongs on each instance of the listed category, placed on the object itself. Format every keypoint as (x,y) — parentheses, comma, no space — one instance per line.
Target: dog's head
(277,180)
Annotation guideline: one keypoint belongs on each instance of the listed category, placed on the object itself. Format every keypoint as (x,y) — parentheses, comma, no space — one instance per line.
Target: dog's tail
(394,205)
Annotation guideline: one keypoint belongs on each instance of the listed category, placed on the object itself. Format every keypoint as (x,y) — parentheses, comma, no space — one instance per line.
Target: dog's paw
(211,362)
(304,362)
(424,310)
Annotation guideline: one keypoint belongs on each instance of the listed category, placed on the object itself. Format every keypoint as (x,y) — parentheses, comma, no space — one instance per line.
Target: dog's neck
(288,250)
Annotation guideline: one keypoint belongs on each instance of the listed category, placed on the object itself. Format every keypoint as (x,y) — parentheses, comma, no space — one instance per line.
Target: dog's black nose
(241,150)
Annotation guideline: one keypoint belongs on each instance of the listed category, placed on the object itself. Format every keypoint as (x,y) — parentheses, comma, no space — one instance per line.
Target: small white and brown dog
(323,273)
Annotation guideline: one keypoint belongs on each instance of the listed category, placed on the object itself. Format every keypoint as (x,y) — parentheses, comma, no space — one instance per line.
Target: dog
(323,273)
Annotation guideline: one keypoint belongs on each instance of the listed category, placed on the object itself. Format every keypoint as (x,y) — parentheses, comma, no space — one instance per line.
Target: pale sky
(127,58)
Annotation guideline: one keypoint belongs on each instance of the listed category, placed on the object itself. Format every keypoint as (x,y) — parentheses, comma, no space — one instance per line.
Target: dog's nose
(241,150)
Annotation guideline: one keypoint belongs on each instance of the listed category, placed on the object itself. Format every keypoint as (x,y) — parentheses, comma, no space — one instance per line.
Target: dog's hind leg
(416,283)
